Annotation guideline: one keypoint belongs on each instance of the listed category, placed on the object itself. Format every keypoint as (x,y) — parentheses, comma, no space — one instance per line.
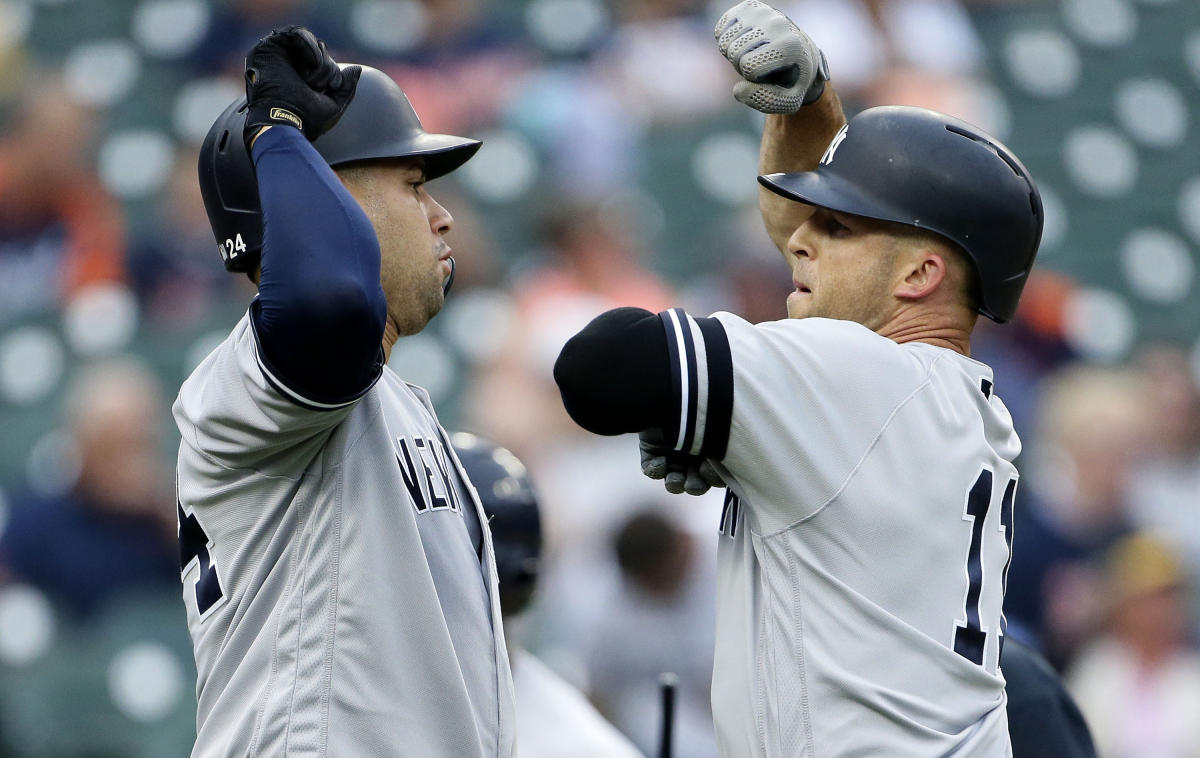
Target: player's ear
(925,268)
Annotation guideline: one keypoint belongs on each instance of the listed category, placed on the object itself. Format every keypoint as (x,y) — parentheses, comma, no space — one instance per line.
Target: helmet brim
(442,153)
(827,190)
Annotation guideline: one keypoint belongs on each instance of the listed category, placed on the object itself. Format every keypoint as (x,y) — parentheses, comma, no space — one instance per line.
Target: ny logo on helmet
(827,158)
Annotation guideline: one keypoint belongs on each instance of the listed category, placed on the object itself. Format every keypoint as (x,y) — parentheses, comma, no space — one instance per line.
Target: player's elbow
(575,371)
(593,373)
(341,316)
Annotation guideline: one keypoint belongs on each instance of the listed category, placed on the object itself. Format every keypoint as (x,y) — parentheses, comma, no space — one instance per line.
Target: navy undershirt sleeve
(615,375)
(320,311)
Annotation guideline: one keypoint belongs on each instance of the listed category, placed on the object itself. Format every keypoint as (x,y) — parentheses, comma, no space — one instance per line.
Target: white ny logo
(827,158)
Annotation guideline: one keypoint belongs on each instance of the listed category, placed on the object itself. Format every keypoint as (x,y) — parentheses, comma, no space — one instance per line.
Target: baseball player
(553,718)
(337,570)
(869,460)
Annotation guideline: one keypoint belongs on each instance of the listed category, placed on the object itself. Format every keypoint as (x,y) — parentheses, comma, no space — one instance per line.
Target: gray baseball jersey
(341,594)
(864,542)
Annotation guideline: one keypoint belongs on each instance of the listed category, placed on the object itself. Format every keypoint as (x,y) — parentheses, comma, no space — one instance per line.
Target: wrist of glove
(679,472)
(782,69)
(291,80)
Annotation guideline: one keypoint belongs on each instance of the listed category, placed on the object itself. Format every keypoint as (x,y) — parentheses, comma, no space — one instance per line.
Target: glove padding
(781,68)
(682,472)
(291,80)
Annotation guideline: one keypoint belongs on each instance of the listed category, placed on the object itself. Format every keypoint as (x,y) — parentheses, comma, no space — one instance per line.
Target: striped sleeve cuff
(701,383)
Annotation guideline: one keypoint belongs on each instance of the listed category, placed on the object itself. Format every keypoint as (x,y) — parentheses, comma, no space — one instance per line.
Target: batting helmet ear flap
(378,123)
(229,188)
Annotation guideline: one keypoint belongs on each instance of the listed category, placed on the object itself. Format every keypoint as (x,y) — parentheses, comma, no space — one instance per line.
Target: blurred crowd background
(616,170)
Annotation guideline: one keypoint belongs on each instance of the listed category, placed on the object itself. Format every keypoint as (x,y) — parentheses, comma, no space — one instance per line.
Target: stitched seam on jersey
(867,452)
(335,551)
(291,705)
(760,670)
(376,415)
(266,696)
(217,462)
(798,653)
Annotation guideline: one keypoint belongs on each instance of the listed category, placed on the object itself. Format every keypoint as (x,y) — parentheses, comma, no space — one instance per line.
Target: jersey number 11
(970,637)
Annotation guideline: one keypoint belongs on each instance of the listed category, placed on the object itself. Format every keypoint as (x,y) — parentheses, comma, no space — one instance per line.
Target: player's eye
(836,228)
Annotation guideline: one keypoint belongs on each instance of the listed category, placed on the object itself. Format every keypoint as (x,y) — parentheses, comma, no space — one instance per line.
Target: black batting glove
(291,80)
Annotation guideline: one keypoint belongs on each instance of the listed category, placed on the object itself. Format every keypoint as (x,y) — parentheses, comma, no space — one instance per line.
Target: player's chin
(436,300)
(799,305)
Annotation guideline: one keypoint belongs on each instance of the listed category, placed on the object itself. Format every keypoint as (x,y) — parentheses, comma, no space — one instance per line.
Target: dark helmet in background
(512,510)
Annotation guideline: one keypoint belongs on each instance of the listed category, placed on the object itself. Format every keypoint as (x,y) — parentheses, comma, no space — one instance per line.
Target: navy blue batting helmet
(378,123)
(509,501)
(929,170)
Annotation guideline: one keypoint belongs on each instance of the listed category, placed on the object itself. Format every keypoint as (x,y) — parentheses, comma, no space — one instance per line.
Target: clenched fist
(291,80)
(781,68)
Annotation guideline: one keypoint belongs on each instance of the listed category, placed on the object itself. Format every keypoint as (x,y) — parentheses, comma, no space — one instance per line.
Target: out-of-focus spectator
(236,25)
(174,268)
(59,229)
(1072,505)
(458,61)
(660,62)
(594,263)
(455,29)
(875,45)
(114,530)
(1166,490)
(660,619)
(1029,348)
(1139,684)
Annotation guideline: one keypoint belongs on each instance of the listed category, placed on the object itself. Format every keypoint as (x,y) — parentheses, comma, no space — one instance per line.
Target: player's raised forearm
(321,309)
(785,75)
(795,142)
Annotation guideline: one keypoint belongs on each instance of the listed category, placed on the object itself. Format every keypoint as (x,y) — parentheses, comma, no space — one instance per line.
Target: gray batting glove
(782,69)
(678,471)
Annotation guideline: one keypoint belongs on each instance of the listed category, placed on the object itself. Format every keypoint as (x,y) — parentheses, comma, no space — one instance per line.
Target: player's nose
(440,220)
(799,243)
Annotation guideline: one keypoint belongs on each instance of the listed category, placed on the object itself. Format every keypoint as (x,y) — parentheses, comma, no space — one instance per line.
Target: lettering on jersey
(986,387)
(730,514)
(426,474)
(195,550)
(834,144)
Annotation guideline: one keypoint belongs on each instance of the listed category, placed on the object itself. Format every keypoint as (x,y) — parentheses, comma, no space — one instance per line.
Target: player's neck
(940,325)
(391,333)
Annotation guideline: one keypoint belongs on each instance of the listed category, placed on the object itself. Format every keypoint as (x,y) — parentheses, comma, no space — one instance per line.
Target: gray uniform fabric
(864,543)
(341,595)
